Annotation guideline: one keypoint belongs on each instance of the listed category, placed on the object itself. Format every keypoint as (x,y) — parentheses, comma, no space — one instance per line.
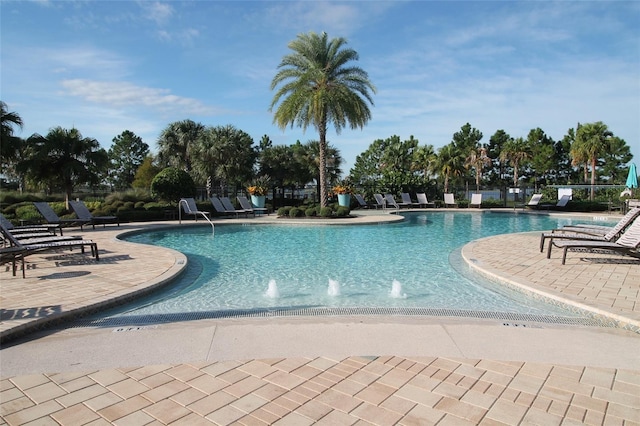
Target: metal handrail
(188,210)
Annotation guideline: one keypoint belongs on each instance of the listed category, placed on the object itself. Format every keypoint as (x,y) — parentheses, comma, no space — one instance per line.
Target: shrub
(310,212)
(171,184)
(139,205)
(295,212)
(343,211)
(326,212)
(284,211)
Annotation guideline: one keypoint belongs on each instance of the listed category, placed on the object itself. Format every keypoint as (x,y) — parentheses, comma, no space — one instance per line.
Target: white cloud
(119,94)
(158,12)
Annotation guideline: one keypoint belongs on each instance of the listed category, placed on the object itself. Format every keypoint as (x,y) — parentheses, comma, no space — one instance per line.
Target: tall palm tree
(477,159)
(318,88)
(515,151)
(64,158)
(450,163)
(592,141)
(424,160)
(9,144)
(177,142)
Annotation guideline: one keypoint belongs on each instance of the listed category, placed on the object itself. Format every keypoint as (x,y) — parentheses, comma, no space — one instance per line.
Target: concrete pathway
(349,370)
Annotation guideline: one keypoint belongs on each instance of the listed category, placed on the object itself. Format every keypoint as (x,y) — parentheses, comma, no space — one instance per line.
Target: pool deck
(326,370)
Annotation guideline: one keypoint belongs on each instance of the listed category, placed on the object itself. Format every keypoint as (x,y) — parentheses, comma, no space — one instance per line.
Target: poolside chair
(406,200)
(423,201)
(228,205)
(627,244)
(390,201)
(245,204)
(476,200)
(587,228)
(563,201)
(18,250)
(589,235)
(15,230)
(189,207)
(83,213)
(51,217)
(362,202)
(449,200)
(220,208)
(533,202)
(380,203)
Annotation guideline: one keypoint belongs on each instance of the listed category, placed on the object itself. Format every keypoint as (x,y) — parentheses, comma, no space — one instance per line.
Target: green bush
(139,205)
(295,212)
(343,211)
(310,212)
(284,211)
(326,212)
(171,184)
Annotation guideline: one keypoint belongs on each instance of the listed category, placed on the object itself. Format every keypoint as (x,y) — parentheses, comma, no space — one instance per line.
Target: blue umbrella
(632,179)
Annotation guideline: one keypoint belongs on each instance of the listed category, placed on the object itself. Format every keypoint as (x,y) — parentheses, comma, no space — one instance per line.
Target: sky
(104,67)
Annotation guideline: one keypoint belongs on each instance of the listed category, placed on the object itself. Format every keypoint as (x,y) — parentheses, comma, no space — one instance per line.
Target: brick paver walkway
(382,390)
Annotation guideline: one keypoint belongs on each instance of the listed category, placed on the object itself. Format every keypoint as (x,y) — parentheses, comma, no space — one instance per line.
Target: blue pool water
(415,263)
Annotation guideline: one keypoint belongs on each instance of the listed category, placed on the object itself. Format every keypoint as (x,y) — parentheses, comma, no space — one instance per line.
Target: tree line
(226,159)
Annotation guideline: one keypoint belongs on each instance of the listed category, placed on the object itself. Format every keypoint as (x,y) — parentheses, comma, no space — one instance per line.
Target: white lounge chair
(423,201)
(533,202)
(627,244)
(588,234)
(449,200)
(476,200)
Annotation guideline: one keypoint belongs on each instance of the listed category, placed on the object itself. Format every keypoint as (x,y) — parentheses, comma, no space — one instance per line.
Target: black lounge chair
(83,213)
(51,217)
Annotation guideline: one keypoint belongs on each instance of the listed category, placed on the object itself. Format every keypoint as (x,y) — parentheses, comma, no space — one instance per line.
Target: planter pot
(258,201)
(344,200)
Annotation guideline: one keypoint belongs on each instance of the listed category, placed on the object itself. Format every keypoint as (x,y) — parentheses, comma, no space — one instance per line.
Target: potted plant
(343,190)
(258,191)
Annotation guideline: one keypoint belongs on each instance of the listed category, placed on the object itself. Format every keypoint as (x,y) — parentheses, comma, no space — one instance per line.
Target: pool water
(415,263)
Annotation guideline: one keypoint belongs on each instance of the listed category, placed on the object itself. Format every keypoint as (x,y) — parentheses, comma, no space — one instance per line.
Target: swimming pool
(411,264)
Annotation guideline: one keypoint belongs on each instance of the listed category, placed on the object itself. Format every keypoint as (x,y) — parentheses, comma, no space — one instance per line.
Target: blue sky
(109,66)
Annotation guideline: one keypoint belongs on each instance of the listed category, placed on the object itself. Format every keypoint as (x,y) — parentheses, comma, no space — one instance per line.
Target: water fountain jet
(334,288)
(272,291)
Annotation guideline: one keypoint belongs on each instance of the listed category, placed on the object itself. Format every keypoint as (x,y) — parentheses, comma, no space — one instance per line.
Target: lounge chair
(589,234)
(380,203)
(627,244)
(406,200)
(18,250)
(423,201)
(533,202)
(220,208)
(362,202)
(390,201)
(563,201)
(449,200)
(476,200)
(51,217)
(586,228)
(228,205)
(40,229)
(83,213)
(189,207)
(245,204)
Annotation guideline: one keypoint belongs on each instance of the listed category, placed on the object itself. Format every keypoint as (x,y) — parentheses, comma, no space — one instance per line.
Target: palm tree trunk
(593,177)
(322,154)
